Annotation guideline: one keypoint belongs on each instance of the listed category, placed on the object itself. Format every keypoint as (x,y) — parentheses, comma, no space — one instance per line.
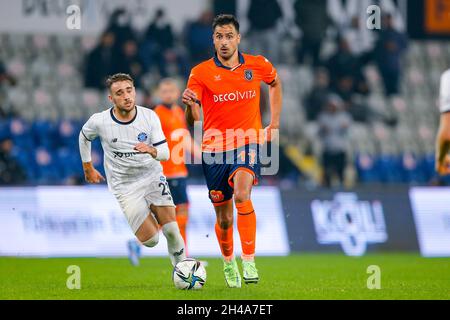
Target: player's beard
(126,108)
(227,55)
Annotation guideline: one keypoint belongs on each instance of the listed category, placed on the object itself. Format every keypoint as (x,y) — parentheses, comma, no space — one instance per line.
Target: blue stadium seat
(26,161)
(69,162)
(68,131)
(427,164)
(4,130)
(412,170)
(366,168)
(389,168)
(47,172)
(44,132)
(21,134)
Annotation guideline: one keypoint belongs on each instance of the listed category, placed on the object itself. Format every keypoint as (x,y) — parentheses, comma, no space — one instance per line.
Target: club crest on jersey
(216,196)
(248,75)
(142,137)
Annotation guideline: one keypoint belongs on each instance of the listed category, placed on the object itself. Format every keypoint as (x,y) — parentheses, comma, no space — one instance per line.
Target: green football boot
(232,275)
(250,272)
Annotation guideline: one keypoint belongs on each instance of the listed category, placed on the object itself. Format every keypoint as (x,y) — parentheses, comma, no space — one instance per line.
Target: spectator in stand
(5,77)
(316,98)
(350,18)
(388,55)
(159,46)
(120,25)
(6,110)
(344,64)
(131,62)
(11,173)
(101,62)
(359,109)
(199,38)
(312,18)
(334,124)
(263,37)
(224,7)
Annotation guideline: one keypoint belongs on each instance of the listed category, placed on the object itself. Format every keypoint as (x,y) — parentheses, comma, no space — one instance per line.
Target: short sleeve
(444,102)
(90,128)
(269,73)
(157,134)
(195,84)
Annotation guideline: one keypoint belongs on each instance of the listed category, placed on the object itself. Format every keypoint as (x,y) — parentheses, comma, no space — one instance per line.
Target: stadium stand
(42,112)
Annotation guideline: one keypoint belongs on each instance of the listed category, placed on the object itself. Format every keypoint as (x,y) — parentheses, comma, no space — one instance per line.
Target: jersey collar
(220,65)
(121,122)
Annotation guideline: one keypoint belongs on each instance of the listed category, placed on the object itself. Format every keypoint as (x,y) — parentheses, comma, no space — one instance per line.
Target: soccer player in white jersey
(133,144)
(443,137)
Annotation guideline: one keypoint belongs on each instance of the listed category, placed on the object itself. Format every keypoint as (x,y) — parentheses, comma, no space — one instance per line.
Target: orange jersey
(230,100)
(171,120)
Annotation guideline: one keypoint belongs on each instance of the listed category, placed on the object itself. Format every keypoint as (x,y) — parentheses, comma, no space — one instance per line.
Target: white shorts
(135,202)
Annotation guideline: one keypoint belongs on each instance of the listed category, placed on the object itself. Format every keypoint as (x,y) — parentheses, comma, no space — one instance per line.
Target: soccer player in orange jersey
(227,89)
(175,130)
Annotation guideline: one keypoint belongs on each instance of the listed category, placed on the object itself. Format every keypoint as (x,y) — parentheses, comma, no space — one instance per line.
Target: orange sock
(182,222)
(246,223)
(225,238)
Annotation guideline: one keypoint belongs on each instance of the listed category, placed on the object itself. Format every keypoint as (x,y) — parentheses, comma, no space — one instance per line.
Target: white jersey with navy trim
(124,165)
(444,101)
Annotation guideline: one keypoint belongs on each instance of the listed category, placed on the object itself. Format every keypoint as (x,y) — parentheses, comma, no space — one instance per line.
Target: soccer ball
(189,274)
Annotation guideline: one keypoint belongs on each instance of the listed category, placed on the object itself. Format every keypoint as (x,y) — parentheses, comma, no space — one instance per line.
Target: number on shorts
(165,190)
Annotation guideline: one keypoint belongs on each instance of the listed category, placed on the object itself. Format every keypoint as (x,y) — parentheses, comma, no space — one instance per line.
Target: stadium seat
(40,68)
(365,164)
(17,68)
(18,98)
(65,71)
(44,132)
(26,161)
(91,100)
(21,134)
(68,132)
(46,169)
(389,168)
(412,169)
(69,163)
(88,43)
(41,43)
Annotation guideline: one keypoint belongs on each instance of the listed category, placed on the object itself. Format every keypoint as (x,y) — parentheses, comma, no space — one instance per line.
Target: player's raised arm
(443,136)
(87,134)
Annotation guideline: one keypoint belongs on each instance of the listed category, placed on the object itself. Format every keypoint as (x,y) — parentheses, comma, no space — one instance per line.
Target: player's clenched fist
(189,97)
(91,174)
(443,167)
(271,133)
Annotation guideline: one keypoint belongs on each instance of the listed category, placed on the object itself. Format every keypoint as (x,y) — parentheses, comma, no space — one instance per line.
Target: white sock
(175,242)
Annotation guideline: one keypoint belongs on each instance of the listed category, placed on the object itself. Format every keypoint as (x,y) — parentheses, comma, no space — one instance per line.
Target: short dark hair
(118,77)
(224,19)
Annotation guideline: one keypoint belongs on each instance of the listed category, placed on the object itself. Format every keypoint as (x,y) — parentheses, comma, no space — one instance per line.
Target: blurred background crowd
(359,104)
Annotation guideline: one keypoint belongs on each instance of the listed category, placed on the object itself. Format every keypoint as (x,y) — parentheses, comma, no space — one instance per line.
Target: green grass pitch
(305,276)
